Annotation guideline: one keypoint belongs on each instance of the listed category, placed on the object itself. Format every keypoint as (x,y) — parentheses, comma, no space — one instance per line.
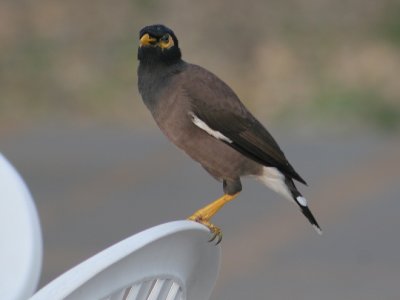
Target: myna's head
(158,43)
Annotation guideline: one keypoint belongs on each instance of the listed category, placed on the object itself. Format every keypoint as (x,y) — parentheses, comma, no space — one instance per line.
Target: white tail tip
(317,229)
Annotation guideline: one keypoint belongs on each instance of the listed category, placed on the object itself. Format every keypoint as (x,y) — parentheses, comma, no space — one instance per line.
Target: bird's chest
(173,117)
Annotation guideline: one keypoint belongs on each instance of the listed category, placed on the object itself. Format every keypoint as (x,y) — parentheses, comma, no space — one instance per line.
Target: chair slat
(145,290)
(155,292)
(118,295)
(133,292)
(174,292)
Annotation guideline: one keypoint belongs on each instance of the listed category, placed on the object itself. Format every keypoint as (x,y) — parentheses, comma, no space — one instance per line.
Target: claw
(215,231)
(213,237)
(217,234)
(219,239)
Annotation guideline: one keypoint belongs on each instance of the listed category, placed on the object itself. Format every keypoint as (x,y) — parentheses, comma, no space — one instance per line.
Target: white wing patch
(202,125)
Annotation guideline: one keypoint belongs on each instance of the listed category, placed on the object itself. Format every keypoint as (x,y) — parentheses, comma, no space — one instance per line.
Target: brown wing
(217,105)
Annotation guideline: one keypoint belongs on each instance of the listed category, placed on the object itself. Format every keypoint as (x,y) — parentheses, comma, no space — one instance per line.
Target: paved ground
(95,185)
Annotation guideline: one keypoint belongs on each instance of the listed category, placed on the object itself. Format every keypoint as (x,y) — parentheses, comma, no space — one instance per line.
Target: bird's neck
(153,77)
(159,66)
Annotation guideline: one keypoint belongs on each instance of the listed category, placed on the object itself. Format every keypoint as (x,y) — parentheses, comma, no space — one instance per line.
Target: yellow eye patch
(166,42)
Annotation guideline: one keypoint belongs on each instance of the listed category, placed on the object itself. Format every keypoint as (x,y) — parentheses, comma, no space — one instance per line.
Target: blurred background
(324,76)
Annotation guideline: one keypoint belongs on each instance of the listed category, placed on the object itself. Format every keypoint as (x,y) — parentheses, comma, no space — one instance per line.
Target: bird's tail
(302,203)
(283,185)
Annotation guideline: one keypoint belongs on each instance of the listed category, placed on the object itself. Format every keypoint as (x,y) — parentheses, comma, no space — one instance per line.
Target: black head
(158,44)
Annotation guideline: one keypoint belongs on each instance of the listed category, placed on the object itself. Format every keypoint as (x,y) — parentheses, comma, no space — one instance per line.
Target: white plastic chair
(20,237)
(172,261)
(168,262)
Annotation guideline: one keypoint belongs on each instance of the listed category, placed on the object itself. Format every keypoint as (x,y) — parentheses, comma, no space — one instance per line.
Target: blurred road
(95,185)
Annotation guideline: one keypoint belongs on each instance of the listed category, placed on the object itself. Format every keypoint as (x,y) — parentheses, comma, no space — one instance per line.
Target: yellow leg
(204,215)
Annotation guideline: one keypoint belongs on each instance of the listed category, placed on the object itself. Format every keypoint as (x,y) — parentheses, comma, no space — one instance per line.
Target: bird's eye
(165,38)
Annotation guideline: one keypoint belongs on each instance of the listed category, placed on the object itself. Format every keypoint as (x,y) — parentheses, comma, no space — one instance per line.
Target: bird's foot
(204,215)
(215,231)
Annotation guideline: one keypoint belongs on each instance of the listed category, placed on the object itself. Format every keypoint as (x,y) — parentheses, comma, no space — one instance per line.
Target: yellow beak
(147,40)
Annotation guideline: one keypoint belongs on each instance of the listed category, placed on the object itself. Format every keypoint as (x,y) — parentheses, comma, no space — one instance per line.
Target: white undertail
(275,180)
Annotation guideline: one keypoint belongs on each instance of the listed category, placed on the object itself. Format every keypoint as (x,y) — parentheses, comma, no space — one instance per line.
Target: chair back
(172,261)
(20,236)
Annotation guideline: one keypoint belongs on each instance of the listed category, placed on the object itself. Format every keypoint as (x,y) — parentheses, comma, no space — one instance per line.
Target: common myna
(202,115)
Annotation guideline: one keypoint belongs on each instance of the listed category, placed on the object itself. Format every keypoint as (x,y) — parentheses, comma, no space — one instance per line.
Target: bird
(205,118)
